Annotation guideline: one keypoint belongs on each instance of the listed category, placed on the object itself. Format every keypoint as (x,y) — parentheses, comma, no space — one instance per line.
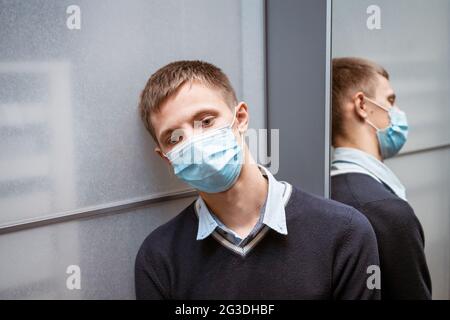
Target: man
(368,127)
(247,236)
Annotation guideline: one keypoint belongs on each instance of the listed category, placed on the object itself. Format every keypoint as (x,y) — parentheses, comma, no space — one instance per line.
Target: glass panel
(428,192)
(409,44)
(70,134)
(409,38)
(38,259)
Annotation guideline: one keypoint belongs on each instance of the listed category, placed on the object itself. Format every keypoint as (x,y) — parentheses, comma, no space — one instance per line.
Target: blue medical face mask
(392,138)
(210,162)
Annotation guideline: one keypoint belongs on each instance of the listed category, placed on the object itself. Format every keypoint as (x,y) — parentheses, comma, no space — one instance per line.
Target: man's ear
(160,153)
(360,105)
(242,116)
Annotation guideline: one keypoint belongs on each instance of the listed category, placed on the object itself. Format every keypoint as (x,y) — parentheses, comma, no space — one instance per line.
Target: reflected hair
(166,82)
(351,75)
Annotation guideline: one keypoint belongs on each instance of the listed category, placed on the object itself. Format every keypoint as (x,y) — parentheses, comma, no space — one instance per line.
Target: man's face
(194,109)
(384,96)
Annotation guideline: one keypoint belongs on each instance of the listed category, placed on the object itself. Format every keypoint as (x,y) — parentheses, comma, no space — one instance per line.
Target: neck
(239,207)
(363,141)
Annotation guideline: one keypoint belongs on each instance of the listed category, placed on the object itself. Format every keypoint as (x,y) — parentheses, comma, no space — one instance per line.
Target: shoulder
(159,241)
(394,213)
(328,214)
(386,212)
(358,189)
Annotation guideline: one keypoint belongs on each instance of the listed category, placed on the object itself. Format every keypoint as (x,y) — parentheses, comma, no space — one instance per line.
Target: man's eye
(206,122)
(174,140)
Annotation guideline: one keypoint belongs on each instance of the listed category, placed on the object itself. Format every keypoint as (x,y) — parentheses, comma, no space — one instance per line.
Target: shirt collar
(347,160)
(274,213)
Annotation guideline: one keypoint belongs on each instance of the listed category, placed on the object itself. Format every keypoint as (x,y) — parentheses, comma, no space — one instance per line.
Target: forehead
(190,98)
(193,93)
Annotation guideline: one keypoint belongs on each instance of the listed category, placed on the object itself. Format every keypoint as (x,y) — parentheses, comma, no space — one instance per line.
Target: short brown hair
(167,80)
(351,75)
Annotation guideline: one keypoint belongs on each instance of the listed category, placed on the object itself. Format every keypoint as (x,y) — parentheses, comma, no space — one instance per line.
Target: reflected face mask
(392,138)
(210,162)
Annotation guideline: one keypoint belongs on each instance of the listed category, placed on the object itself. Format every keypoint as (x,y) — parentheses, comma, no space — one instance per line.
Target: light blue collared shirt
(351,160)
(272,214)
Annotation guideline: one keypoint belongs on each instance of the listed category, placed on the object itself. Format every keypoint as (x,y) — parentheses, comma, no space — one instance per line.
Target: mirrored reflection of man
(247,236)
(368,127)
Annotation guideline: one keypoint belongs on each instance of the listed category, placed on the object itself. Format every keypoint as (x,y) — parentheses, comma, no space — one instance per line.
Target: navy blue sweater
(404,271)
(325,255)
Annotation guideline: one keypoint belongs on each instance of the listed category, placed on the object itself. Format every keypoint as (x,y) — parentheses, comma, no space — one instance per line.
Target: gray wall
(79,182)
(72,144)
(413,45)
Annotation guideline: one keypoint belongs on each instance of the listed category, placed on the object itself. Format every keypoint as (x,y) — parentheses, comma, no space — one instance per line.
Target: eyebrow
(167,132)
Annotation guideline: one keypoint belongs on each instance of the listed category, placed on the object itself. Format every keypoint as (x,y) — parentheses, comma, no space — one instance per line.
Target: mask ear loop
(378,105)
(234,118)
(240,133)
(165,155)
(371,124)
